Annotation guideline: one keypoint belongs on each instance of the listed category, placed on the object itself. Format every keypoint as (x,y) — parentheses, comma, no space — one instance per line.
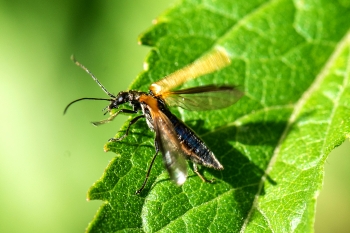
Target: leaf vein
(291,120)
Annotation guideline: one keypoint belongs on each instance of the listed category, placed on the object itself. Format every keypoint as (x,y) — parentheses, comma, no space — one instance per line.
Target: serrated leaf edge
(298,107)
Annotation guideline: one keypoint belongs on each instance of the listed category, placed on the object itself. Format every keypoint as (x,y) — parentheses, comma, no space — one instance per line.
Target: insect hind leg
(195,169)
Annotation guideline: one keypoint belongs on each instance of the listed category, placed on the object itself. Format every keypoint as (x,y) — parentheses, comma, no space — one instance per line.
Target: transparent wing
(203,98)
(214,60)
(170,147)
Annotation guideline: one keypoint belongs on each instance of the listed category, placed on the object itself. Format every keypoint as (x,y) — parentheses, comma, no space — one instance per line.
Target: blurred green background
(49,161)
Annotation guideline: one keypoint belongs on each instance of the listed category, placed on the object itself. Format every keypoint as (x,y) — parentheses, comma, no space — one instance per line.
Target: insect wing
(203,98)
(170,147)
(216,59)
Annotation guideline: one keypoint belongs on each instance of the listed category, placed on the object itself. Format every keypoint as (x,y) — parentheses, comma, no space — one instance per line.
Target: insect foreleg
(150,167)
(133,121)
(111,118)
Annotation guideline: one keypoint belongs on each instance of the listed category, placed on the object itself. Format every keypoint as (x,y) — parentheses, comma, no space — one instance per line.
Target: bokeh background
(48,161)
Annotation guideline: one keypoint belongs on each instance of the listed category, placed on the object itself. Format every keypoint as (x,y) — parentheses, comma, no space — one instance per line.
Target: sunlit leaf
(292,59)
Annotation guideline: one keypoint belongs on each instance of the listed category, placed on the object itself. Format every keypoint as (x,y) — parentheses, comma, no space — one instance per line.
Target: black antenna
(92,76)
(74,101)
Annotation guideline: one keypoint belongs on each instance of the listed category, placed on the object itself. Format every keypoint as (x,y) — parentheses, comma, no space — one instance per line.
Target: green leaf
(292,58)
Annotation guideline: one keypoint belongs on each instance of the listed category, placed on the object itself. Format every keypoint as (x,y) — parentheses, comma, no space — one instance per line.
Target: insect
(173,139)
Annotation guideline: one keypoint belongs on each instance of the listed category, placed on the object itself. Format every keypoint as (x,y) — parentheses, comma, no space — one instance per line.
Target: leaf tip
(152,35)
(145,66)
(106,147)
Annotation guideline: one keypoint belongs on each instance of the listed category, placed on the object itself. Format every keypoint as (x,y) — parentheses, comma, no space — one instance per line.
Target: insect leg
(195,169)
(97,123)
(133,121)
(150,167)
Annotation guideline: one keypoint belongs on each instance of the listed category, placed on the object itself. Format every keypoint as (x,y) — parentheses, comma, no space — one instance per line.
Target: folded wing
(170,147)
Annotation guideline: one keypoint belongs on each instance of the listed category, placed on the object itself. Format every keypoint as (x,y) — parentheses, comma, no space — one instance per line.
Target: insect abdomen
(194,147)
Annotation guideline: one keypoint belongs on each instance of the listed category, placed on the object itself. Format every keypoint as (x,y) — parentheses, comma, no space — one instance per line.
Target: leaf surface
(292,59)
